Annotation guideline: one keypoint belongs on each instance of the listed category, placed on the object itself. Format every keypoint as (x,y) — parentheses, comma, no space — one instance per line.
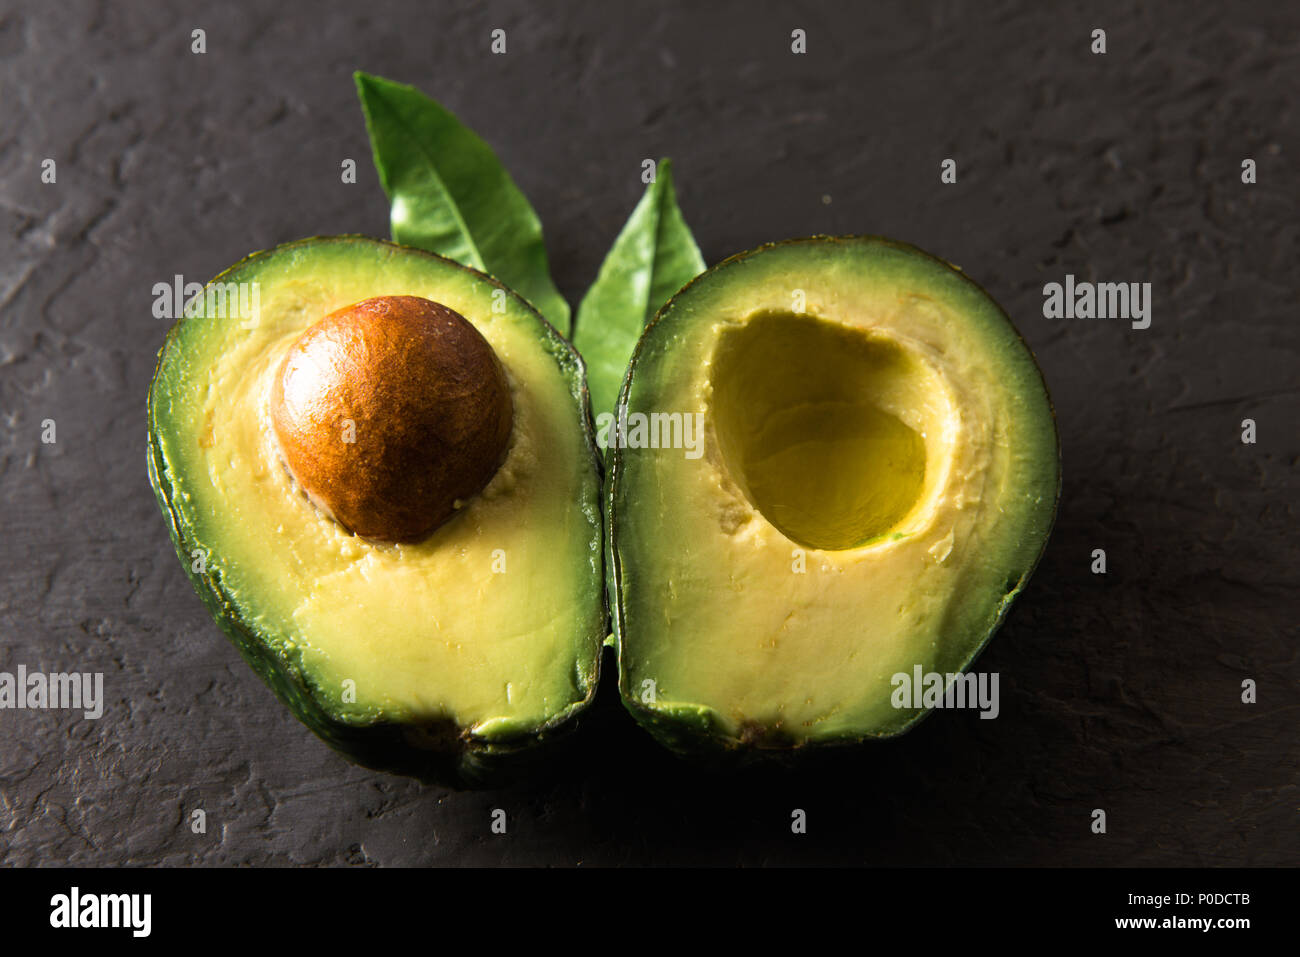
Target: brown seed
(389,411)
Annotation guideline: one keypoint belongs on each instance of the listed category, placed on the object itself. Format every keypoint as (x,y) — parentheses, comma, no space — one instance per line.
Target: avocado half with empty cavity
(875,476)
(377,466)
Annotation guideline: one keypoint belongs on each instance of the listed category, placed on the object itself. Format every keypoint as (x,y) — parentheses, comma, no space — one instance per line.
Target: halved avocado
(442,658)
(877,478)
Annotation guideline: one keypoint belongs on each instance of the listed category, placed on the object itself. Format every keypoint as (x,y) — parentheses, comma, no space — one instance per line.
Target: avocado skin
(440,753)
(696,734)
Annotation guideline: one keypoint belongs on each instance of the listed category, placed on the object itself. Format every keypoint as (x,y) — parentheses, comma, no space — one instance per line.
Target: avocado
(451,615)
(878,477)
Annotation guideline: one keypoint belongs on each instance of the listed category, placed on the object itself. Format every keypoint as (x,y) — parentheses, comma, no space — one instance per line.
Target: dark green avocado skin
(434,754)
(696,737)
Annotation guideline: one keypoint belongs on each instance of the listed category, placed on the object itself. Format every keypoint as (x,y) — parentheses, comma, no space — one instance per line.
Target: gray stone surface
(1120,692)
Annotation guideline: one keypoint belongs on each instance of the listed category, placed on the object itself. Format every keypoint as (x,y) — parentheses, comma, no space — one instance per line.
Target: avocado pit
(389,413)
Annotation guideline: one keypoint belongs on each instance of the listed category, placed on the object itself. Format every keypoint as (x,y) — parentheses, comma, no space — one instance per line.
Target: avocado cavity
(817,426)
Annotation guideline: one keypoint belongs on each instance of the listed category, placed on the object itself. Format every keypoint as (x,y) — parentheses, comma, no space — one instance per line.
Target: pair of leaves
(450,194)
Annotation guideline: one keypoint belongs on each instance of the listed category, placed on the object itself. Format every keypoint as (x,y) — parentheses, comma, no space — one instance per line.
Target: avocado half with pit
(379,471)
(876,478)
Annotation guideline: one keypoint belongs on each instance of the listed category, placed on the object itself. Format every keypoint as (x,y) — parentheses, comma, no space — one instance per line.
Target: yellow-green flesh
(494,621)
(879,476)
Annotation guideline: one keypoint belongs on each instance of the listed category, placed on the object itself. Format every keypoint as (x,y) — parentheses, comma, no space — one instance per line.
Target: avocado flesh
(879,477)
(427,658)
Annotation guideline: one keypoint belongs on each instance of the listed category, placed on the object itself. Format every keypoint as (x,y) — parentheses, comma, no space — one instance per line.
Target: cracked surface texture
(1119,691)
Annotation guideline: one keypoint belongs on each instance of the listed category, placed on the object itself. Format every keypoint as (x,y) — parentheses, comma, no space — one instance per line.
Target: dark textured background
(1119,691)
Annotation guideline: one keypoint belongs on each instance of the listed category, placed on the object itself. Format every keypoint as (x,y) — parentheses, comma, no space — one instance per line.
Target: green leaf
(653,257)
(451,195)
